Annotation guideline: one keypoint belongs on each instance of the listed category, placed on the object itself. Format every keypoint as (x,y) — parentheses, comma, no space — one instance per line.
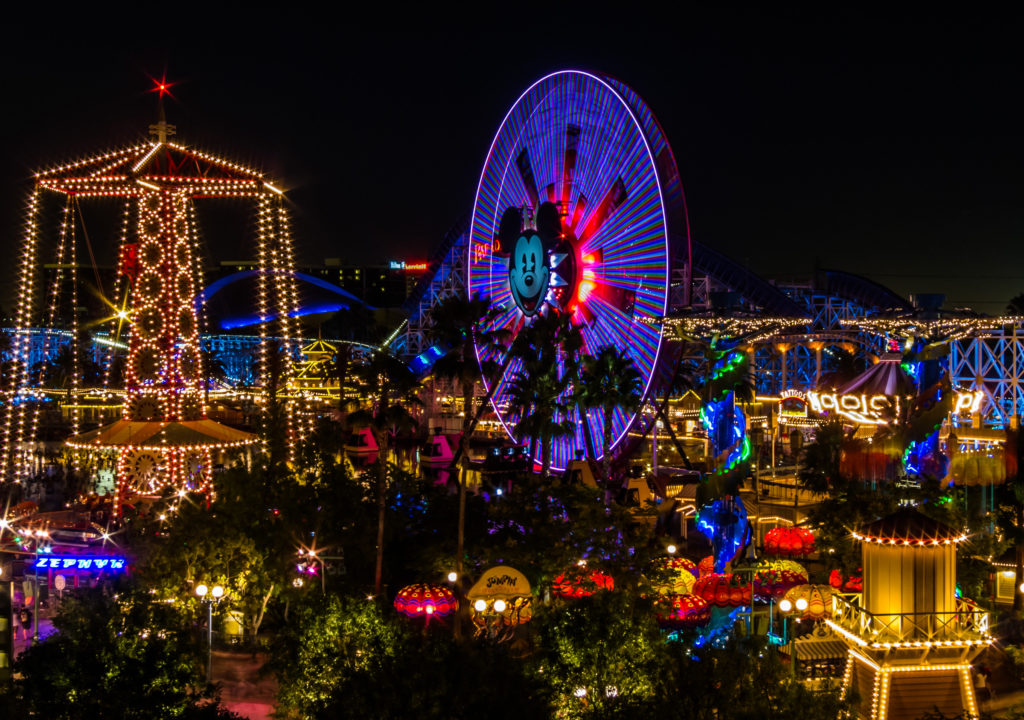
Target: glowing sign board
(968,402)
(880,409)
(862,409)
(94,563)
(793,403)
(407,266)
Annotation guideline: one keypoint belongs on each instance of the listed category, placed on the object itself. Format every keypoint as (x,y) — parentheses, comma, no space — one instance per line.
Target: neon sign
(80,562)
(862,409)
(793,403)
(968,402)
(880,409)
(407,266)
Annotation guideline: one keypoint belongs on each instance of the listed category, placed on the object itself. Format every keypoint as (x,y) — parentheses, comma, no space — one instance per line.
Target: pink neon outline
(664,222)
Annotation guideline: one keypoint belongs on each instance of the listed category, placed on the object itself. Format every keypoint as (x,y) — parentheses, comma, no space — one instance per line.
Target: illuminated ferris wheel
(588,146)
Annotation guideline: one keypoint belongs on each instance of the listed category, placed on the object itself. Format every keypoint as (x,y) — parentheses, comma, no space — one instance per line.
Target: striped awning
(160,435)
(814,648)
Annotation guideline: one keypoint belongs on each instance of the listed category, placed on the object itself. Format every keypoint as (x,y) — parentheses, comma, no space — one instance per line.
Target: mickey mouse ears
(548,221)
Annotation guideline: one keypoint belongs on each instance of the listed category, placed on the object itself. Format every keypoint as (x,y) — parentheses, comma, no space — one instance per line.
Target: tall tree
(213,370)
(609,380)
(535,395)
(388,388)
(338,369)
(465,327)
(547,351)
(1016,305)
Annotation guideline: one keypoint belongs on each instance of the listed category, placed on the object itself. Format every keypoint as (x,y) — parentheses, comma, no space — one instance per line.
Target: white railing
(967,622)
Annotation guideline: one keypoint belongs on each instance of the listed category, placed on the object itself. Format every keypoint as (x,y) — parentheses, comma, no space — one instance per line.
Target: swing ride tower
(164,438)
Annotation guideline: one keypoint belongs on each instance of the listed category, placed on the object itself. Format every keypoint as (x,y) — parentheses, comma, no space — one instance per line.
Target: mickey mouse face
(528,251)
(528,272)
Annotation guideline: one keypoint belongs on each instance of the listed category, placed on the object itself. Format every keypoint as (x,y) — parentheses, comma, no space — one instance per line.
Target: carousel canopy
(161,435)
(908,526)
(500,583)
(886,377)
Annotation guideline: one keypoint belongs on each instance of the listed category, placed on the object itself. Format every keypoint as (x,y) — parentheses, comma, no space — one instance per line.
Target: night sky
(890,147)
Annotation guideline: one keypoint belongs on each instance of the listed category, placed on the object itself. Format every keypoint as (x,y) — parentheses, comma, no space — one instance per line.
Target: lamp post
(215,594)
(786,607)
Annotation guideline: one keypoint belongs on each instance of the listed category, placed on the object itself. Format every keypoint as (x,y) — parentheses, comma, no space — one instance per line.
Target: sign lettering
(91,563)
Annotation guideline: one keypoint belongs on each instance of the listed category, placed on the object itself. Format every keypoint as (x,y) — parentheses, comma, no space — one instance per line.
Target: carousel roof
(161,435)
(908,526)
(153,165)
(886,377)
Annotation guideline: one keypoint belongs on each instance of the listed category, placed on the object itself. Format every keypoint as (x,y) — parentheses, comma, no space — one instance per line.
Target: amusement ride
(579,214)
(164,438)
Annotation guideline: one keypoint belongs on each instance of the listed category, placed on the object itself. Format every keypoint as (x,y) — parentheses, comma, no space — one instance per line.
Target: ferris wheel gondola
(588,146)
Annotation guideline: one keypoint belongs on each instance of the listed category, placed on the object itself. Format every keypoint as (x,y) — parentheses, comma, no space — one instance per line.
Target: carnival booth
(500,601)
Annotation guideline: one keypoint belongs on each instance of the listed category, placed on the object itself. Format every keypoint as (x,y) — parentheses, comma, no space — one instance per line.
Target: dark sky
(890,147)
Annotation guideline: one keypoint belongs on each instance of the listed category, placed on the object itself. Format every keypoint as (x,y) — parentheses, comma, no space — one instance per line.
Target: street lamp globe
(452,577)
(499,606)
(801,604)
(785,606)
(201,590)
(480,605)
(217,592)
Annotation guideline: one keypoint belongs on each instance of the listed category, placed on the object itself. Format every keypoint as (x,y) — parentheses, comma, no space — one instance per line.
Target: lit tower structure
(911,640)
(164,438)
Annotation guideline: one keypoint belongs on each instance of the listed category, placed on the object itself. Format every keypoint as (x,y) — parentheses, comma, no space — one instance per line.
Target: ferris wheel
(588,146)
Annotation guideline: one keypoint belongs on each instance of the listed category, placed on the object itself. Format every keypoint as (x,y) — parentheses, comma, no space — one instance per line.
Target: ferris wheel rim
(649,164)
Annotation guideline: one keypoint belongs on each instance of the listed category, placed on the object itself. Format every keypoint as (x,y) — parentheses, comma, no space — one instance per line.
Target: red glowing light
(161,86)
(586,287)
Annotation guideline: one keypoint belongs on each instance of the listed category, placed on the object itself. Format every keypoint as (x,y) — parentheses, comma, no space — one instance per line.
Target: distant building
(381,286)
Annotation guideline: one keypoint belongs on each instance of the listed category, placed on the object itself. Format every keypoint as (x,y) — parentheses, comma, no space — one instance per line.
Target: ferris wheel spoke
(526,175)
(572,140)
(614,198)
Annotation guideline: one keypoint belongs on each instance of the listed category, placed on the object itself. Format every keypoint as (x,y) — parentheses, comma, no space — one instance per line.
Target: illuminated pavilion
(911,640)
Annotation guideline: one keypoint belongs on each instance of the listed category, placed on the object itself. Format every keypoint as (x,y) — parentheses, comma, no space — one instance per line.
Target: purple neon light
(635,245)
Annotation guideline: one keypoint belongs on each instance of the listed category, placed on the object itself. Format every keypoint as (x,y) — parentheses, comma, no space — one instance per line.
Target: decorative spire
(161,130)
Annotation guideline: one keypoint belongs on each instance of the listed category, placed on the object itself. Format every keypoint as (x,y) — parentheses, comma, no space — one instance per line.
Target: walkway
(242,690)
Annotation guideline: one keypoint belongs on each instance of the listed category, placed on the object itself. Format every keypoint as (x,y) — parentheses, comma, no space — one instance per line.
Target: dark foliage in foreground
(118,654)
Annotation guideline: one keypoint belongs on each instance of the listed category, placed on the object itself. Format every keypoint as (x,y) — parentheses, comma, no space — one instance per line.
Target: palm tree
(465,328)
(536,397)
(213,370)
(1016,305)
(337,368)
(547,350)
(389,388)
(609,380)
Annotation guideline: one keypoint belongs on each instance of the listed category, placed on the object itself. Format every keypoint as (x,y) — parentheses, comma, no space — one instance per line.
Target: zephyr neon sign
(80,562)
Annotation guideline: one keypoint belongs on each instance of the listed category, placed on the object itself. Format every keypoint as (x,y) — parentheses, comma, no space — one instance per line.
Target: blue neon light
(81,562)
(724,523)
